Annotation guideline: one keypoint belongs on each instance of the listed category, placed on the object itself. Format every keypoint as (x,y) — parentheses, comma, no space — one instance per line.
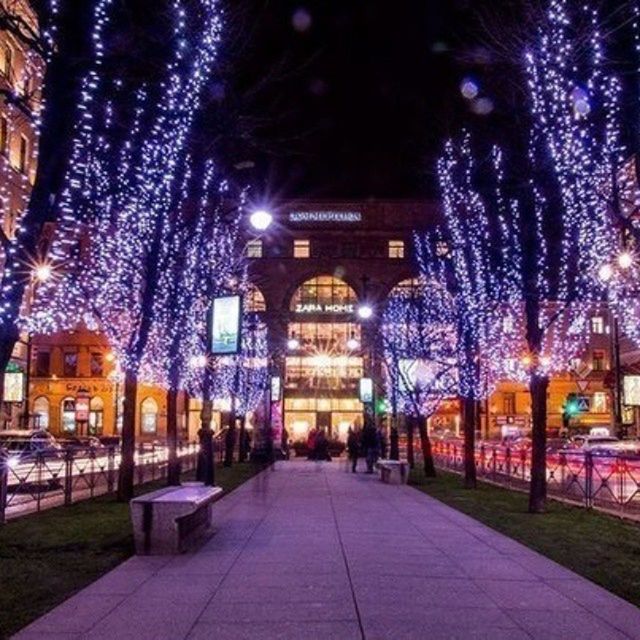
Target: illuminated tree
(128,181)
(417,338)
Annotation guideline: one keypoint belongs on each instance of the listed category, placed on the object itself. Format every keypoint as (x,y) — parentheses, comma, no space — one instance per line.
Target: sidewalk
(308,551)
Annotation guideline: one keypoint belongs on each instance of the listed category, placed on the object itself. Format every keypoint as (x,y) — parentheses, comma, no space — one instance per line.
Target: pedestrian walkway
(309,551)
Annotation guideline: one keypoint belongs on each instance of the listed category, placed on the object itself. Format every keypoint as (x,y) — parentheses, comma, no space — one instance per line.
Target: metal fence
(587,478)
(41,480)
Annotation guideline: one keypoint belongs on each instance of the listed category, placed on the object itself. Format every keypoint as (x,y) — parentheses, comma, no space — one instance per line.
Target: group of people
(368,443)
(318,445)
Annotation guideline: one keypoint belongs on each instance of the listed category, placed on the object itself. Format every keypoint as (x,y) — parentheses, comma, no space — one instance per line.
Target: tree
(127,182)
(418,341)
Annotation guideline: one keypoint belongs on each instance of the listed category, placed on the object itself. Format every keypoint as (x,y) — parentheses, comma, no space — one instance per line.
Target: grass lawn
(46,557)
(602,548)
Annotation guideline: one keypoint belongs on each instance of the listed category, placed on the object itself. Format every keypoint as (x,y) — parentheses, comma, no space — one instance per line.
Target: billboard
(14,386)
(366,390)
(226,322)
(632,391)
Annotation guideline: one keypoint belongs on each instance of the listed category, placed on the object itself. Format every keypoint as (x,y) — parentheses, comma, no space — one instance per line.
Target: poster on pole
(13,386)
(366,390)
(226,322)
(632,391)
(276,388)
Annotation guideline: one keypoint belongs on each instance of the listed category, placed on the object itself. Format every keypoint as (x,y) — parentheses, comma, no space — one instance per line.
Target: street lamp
(625,260)
(261,219)
(365,311)
(293,344)
(42,272)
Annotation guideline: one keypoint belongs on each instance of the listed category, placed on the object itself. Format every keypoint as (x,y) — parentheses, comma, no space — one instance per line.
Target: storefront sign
(325,308)
(348,217)
(226,325)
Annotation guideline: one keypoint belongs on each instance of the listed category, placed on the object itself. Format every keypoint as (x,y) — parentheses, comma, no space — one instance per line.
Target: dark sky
(370,89)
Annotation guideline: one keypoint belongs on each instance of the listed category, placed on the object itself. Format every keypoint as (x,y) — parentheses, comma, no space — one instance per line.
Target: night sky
(354,97)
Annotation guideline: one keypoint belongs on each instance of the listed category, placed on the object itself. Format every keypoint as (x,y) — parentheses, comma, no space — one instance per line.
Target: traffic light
(572,407)
(381,406)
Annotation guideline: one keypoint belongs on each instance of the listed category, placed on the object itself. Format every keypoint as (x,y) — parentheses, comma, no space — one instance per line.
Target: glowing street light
(365,311)
(625,260)
(261,220)
(42,272)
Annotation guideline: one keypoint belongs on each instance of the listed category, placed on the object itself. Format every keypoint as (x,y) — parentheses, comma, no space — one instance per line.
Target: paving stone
(336,630)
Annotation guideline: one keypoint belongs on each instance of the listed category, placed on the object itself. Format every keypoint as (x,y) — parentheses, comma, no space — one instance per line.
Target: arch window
(41,413)
(68,415)
(254,301)
(96,416)
(149,416)
(324,293)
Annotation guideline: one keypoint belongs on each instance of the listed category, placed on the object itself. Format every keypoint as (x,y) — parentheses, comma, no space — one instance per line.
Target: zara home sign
(325,308)
(325,216)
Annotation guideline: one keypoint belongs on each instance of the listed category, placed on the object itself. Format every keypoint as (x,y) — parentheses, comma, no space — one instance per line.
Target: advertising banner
(226,322)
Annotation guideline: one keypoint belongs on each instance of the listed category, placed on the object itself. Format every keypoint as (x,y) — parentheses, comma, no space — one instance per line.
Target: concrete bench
(393,471)
(170,520)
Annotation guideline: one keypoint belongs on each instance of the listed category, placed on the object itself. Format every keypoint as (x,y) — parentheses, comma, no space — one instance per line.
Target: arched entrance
(324,361)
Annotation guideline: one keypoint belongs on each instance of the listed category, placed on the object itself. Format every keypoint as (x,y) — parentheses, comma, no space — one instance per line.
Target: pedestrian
(369,443)
(353,448)
(311,444)
(321,449)
(286,451)
(382,443)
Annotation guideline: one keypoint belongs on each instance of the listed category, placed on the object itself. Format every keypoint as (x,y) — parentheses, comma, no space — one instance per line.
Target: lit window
(301,248)
(149,415)
(598,361)
(509,403)
(396,249)
(254,300)
(24,155)
(97,365)
(597,324)
(41,413)
(70,369)
(69,415)
(254,249)
(4,135)
(96,416)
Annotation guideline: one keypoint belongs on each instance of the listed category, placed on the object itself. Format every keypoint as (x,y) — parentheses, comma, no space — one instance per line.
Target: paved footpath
(309,551)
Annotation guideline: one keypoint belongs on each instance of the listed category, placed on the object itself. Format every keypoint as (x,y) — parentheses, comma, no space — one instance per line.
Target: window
(24,155)
(325,337)
(598,360)
(254,301)
(68,415)
(70,364)
(4,135)
(599,402)
(7,61)
(254,249)
(41,413)
(597,325)
(43,363)
(149,416)
(301,248)
(97,365)
(396,249)
(509,403)
(322,293)
(96,416)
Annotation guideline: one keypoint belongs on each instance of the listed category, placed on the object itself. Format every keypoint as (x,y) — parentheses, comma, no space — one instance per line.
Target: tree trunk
(427,453)
(173,464)
(538,386)
(469,413)
(127,463)
(242,445)
(394,444)
(206,468)
(409,422)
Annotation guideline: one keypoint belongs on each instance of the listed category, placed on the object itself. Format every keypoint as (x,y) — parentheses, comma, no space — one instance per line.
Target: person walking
(382,443)
(353,448)
(369,444)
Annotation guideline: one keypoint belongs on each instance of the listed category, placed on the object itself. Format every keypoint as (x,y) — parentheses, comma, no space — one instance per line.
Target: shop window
(396,249)
(70,364)
(598,363)
(321,291)
(43,364)
(97,365)
(254,300)
(509,404)
(597,325)
(68,415)
(254,249)
(301,249)
(23,162)
(41,413)
(4,135)
(329,337)
(96,416)
(149,416)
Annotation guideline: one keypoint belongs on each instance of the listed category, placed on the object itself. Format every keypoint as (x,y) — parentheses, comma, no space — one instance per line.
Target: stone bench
(170,520)
(393,471)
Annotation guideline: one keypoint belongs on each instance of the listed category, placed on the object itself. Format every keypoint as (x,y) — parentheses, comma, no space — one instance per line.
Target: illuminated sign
(326,216)
(276,388)
(632,391)
(366,390)
(325,308)
(13,386)
(226,320)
